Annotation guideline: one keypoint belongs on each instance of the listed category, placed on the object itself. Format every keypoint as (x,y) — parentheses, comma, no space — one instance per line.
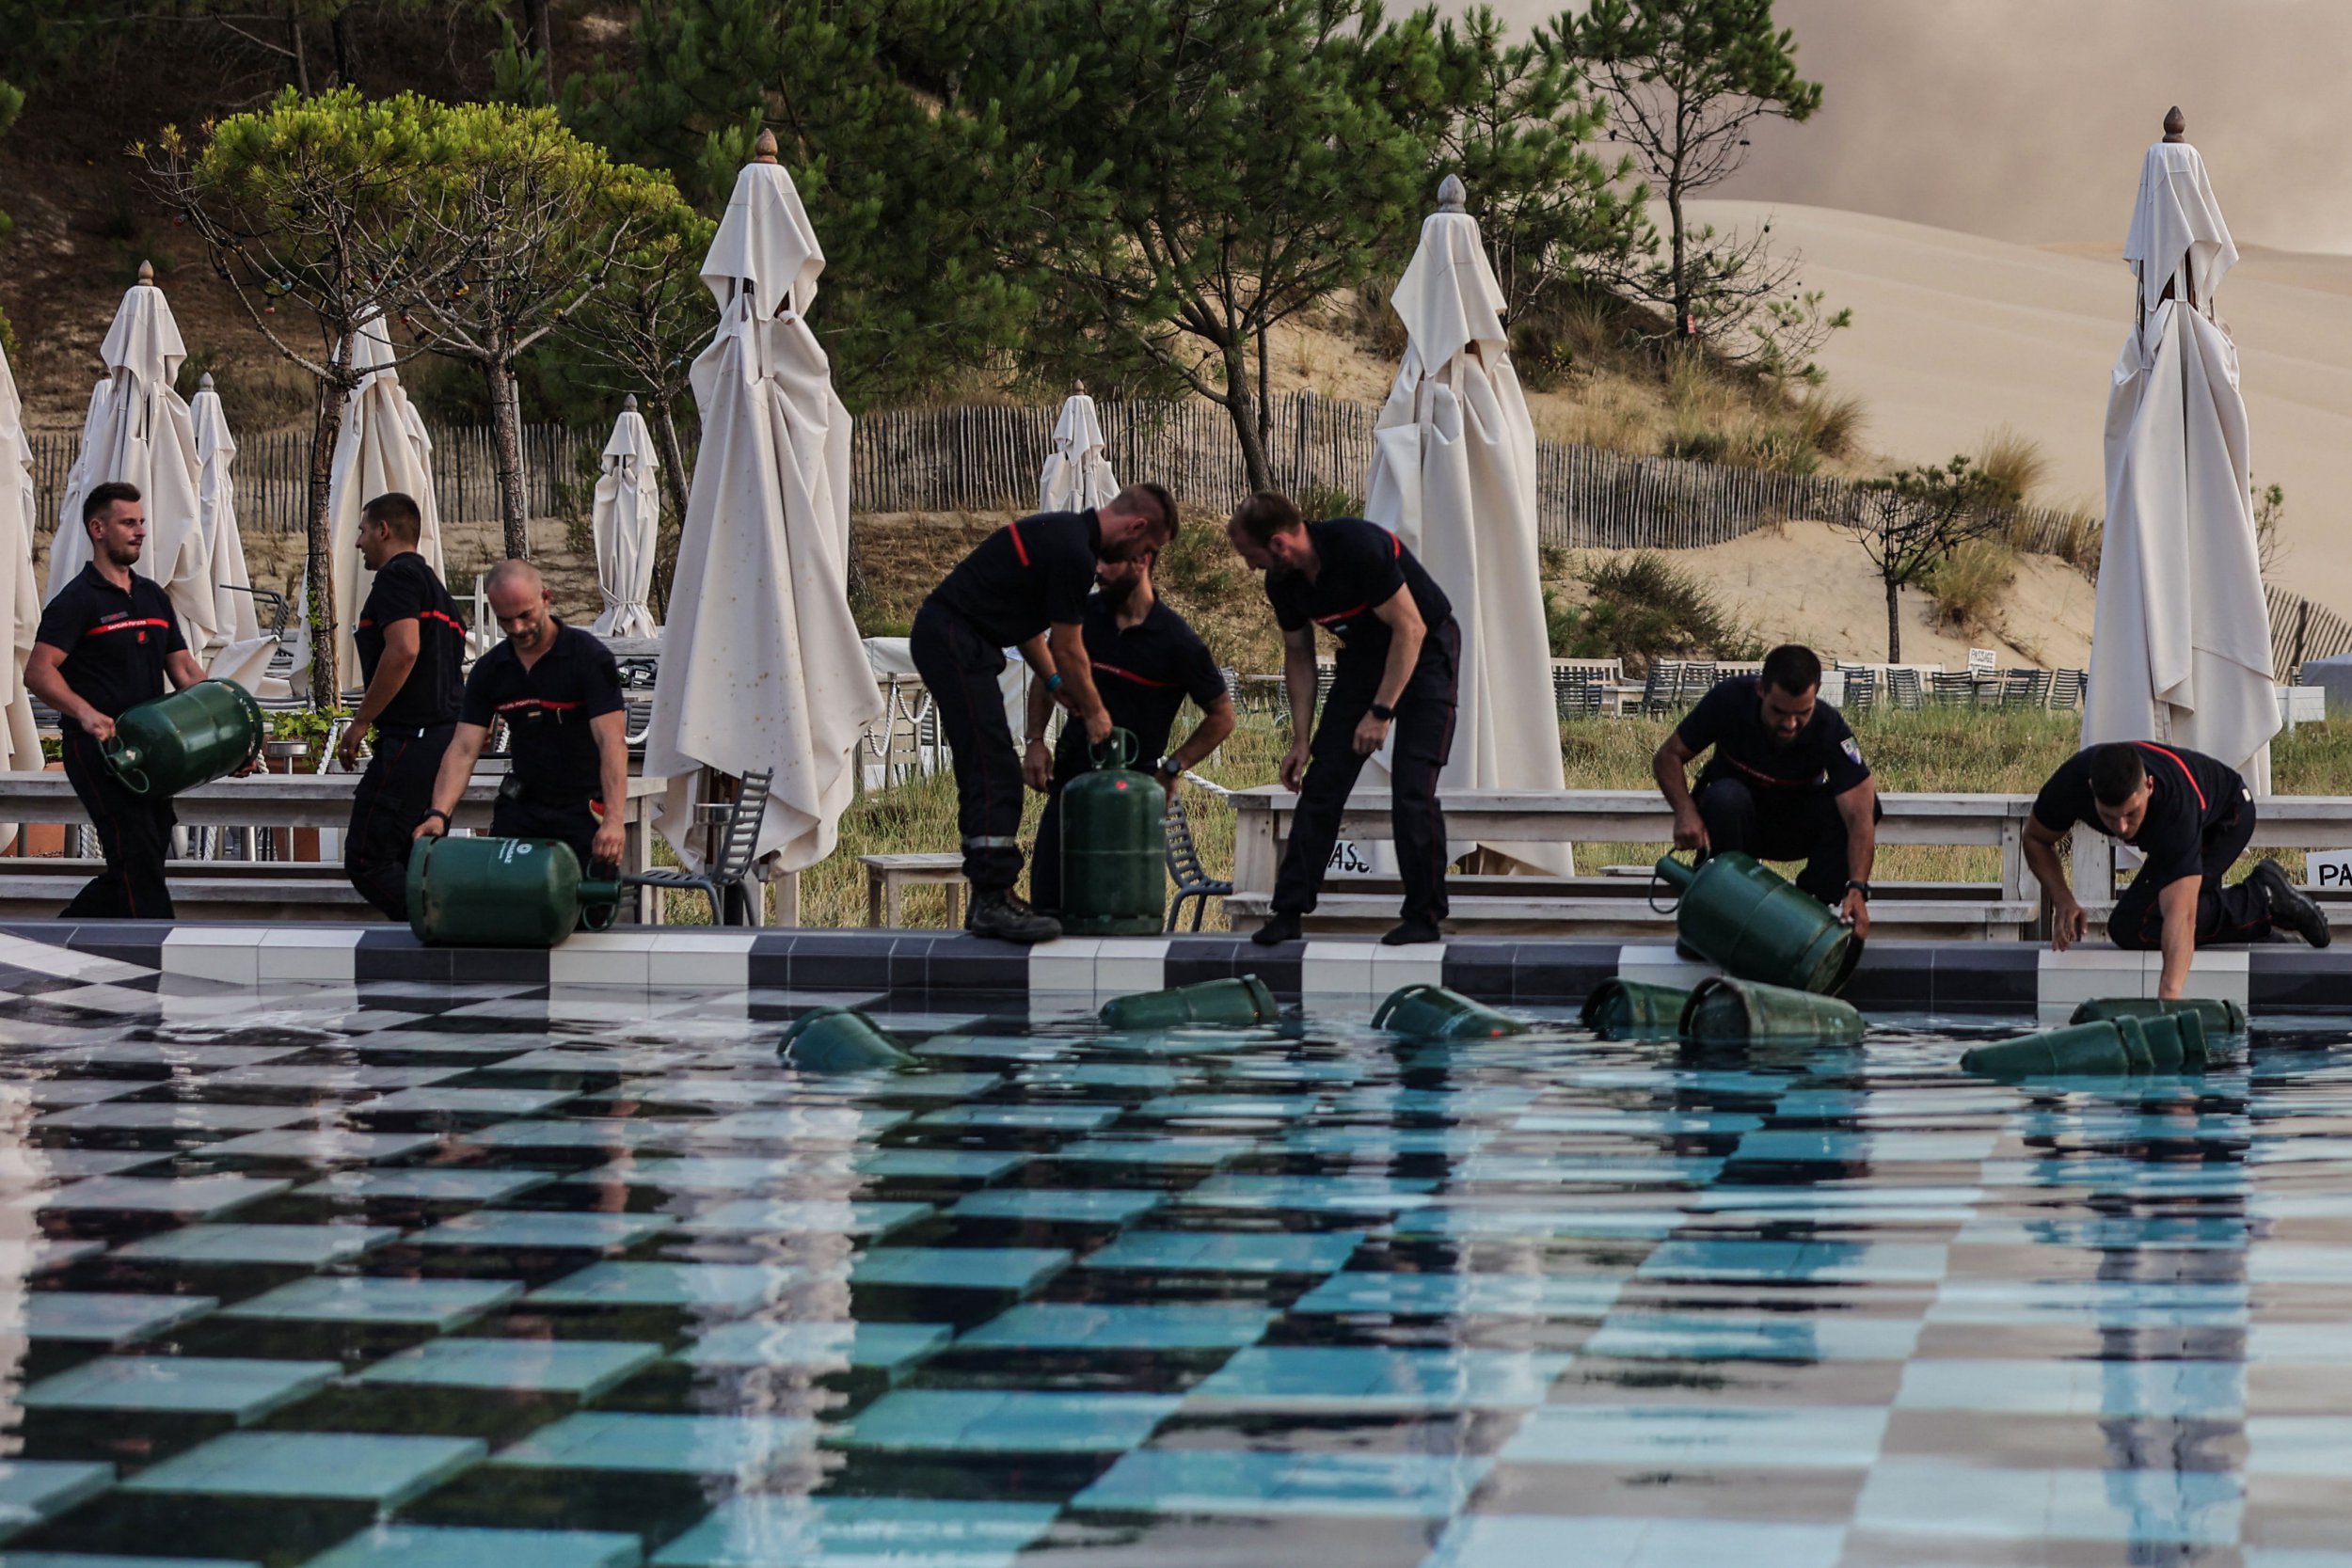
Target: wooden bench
(887,874)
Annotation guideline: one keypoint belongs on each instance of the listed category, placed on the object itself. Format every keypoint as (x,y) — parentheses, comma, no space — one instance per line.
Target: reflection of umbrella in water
(2181,645)
(1454,475)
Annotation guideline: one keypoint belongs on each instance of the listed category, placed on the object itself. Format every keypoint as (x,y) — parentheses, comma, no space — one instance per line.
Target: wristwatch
(1168,767)
(1383,713)
(1862,888)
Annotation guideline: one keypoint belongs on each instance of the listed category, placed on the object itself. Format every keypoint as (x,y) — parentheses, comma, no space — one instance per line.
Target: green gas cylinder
(1114,846)
(839,1039)
(2218,1017)
(1734,1013)
(2077,1050)
(502,893)
(1629,1010)
(1754,923)
(1238,1002)
(193,736)
(1434,1013)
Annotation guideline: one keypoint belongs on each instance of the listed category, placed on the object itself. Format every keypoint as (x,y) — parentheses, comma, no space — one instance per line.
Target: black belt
(384,732)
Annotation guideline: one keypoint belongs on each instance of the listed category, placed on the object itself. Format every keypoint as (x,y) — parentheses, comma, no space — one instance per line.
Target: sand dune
(1954,334)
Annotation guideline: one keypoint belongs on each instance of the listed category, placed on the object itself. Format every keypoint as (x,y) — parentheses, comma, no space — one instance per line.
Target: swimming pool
(454,1275)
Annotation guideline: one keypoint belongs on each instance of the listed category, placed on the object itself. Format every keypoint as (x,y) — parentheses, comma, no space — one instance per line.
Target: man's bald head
(509,573)
(519,598)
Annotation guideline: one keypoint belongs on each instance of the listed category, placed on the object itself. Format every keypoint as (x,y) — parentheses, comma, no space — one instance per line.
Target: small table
(885,875)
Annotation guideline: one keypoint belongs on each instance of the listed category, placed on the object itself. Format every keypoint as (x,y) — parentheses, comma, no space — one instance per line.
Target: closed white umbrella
(1078,473)
(138,430)
(20,599)
(628,525)
(761,664)
(1453,476)
(244,652)
(382,446)
(2180,642)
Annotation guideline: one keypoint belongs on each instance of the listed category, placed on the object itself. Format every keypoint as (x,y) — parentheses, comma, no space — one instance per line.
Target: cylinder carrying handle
(1673,874)
(1116,751)
(124,759)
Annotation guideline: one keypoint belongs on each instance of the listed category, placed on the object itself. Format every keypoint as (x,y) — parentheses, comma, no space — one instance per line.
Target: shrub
(1642,607)
(1832,425)
(2014,460)
(1967,584)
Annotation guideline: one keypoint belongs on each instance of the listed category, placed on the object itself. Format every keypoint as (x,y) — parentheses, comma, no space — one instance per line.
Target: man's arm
(1037,761)
(1298,681)
(44,679)
(392,674)
(1067,640)
(1402,616)
(612,732)
(1216,722)
(449,784)
(184,670)
(1034,654)
(1858,806)
(2067,920)
(2177,902)
(1671,767)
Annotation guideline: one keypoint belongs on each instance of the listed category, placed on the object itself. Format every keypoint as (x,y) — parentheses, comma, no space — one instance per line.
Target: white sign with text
(2328,868)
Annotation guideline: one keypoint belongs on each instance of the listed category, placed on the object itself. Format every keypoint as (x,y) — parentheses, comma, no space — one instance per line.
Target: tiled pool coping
(1943,978)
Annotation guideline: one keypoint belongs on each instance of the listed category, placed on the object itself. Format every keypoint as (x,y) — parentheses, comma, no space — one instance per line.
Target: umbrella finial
(764,150)
(629,404)
(1453,196)
(2175,125)
(1077,387)
(204,382)
(147,275)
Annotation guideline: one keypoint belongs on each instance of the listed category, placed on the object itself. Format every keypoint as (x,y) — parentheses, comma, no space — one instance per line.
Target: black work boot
(1280,926)
(1411,932)
(2291,908)
(1006,915)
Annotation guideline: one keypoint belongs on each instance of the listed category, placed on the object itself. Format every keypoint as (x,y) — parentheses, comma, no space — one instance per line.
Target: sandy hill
(1954,334)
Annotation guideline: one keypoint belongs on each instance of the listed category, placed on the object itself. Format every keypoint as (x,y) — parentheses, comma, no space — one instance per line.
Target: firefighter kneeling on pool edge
(559,690)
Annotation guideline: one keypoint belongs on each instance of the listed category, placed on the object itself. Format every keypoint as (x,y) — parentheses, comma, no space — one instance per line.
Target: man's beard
(124,555)
(1116,593)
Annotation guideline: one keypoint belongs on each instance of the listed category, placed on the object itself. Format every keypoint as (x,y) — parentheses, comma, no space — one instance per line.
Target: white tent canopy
(627,527)
(1078,473)
(1454,475)
(2180,642)
(245,652)
(382,446)
(20,600)
(761,664)
(138,430)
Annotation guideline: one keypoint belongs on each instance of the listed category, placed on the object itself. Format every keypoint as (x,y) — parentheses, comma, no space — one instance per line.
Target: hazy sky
(2024,120)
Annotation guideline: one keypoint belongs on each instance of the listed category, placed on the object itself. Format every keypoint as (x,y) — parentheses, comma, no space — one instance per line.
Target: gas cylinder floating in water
(1114,846)
(1239,1003)
(1629,1010)
(193,736)
(1728,1014)
(1434,1013)
(2217,1016)
(839,1039)
(502,893)
(1758,926)
(2115,1046)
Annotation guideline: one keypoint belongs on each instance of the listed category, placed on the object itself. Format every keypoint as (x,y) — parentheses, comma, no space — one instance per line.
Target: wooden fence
(273,475)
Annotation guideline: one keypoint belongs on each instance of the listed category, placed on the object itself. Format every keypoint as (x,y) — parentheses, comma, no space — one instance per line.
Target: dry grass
(2016,460)
(1971,583)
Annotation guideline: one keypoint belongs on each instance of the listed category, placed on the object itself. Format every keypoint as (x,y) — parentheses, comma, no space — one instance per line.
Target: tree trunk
(1241,407)
(346,52)
(506,432)
(1684,326)
(319,577)
(674,485)
(294,37)
(543,41)
(1894,622)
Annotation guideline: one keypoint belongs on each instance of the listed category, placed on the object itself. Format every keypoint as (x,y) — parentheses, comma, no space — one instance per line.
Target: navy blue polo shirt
(406,590)
(548,709)
(116,644)
(1362,567)
(1823,758)
(1144,675)
(2191,795)
(1026,576)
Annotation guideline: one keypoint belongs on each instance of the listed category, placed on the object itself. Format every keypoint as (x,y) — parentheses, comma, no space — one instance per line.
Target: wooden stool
(885,875)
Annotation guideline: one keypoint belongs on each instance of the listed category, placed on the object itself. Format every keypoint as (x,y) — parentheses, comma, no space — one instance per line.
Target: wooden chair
(1184,865)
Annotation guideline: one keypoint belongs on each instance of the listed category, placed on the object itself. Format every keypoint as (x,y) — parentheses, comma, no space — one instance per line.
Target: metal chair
(2025,689)
(1953,688)
(1659,685)
(1575,693)
(2066,689)
(1903,690)
(729,868)
(1184,865)
(1862,690)
(1697,681)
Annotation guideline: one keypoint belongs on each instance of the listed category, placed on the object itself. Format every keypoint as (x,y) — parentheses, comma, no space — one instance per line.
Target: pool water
(457,1277)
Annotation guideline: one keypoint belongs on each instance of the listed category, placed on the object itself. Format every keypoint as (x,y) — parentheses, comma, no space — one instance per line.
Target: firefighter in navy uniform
(559,690)
(109,641)
(1024,587)
(1399,664)
(412,653)
(2191,816)
(1146,661)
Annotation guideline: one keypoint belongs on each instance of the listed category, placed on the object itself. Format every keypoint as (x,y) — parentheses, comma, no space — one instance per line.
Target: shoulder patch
(1853,752)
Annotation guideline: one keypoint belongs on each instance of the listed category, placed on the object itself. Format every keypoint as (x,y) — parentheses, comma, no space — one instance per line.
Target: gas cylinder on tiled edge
(502,893)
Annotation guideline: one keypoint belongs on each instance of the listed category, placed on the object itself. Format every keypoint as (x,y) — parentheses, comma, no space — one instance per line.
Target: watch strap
(1383,713)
